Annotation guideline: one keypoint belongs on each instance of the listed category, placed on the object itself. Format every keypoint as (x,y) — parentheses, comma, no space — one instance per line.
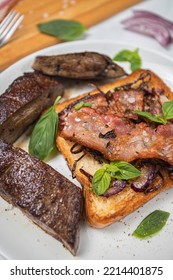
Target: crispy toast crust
(102,211)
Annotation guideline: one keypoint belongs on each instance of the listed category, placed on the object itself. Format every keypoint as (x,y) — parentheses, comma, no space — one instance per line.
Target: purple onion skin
(140,184)
(151,24)
(116,187)
(158,184)
(147,14)
(146,178)
(152,29)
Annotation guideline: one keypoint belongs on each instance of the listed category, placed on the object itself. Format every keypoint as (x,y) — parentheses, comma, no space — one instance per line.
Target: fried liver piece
(44,195)
(84,65)
(23,102)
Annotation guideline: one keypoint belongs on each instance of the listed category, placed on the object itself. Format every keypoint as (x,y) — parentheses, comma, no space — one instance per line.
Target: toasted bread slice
(102,211)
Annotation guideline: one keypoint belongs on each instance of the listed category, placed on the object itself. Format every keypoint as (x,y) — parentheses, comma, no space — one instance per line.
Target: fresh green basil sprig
(66,30)
(117,169)
(129,56)
(152,224)
(42,140)
(167,110)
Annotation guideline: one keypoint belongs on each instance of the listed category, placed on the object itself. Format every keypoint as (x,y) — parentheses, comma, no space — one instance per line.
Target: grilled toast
(102,211)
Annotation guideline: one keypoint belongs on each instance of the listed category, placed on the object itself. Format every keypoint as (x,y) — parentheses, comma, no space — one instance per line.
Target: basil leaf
(111,168)
(126,170)
(81,104)
(42,140)
(152,224)
(156,118)
(129,56)
(124,55)
(66,30)
(56,102)
(167,109)
(101,181)
(136,61)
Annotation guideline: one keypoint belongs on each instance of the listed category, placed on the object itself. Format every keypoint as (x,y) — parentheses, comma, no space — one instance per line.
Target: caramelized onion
(115,187)
(76,149)
(89,176)
(74,166)
(150,180)
(155,185)
(148,173)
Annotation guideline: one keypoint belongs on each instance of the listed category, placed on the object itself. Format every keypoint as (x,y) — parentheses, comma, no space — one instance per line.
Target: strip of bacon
(111,127)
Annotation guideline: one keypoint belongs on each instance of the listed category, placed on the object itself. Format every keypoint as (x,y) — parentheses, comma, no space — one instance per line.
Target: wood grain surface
(28,38)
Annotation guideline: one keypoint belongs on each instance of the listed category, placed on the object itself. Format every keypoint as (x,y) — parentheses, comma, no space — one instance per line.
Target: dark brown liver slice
(23,102)
(48,198)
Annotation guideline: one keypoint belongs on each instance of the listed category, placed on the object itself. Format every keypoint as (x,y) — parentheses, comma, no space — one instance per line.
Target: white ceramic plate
(21,239)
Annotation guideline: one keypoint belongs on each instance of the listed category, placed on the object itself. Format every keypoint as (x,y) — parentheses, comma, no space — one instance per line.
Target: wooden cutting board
(28,39)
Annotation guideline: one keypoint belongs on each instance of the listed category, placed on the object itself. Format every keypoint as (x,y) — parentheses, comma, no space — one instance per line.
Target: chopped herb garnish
(81,104)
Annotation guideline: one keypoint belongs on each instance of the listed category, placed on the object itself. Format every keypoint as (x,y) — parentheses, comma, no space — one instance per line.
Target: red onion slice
(151,28)
(151,24)
(148,173)
(155,185)
(147,14)
(116,187)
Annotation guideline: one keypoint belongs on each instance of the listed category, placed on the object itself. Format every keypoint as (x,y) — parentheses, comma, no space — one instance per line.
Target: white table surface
(112,29)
